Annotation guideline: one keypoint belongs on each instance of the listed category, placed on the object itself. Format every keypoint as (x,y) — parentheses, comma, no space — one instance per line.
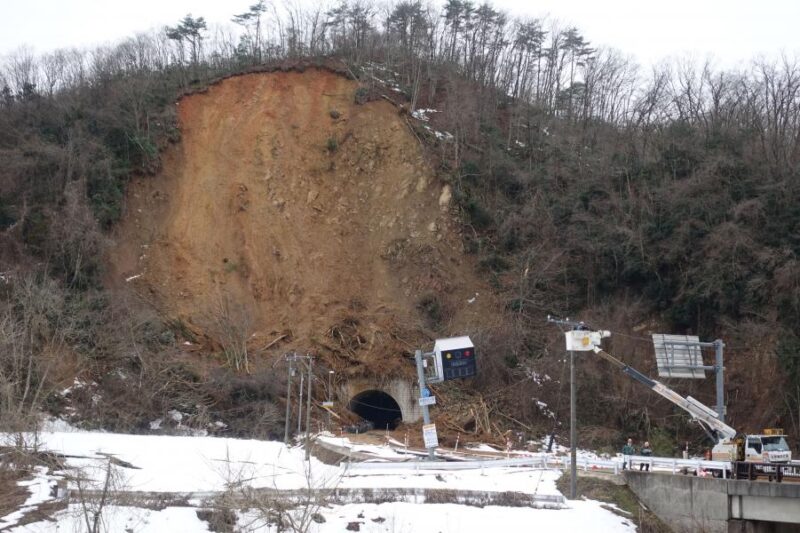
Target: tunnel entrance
(378,408)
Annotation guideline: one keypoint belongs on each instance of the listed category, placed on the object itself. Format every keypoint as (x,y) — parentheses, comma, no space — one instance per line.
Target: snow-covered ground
(201,467)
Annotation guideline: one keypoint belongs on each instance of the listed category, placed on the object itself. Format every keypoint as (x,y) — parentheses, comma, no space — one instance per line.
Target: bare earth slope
(287,208)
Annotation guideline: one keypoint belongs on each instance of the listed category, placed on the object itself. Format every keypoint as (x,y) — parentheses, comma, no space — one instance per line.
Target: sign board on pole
(583,341)
(429,436)
(425,392)
(427,400)
(455,358)
(678,356)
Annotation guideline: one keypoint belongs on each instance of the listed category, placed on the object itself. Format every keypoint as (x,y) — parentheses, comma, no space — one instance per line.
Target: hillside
(287,211)
(177,212)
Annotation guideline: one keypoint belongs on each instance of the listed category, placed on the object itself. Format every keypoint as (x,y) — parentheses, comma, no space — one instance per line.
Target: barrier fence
(546,462)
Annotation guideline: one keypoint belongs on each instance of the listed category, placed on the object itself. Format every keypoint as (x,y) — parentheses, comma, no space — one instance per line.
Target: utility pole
(293,360)
(573,424)
(330,397)
(288,401)
(573,429)
(300,404)
(310,362)
(719,367)
(426,417)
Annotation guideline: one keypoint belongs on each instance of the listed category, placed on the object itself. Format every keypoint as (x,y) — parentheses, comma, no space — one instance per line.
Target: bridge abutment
(691,503)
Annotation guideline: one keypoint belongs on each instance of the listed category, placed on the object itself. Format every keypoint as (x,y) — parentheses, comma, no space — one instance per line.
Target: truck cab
(769,447)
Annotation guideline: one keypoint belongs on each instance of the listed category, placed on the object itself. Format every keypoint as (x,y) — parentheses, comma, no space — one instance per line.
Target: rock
(353,526)
(318,518)
(445,197)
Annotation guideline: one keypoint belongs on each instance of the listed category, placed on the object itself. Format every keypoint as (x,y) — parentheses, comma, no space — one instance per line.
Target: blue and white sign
(425,392)
(430,400)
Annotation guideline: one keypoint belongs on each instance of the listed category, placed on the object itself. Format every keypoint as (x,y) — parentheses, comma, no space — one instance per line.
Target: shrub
(332,144)
(361,96)
(432,310)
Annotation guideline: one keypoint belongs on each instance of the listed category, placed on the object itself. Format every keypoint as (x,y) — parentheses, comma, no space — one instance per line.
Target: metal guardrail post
(719,346)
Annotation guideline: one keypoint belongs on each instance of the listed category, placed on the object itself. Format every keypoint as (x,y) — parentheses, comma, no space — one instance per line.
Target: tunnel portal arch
(402,391)
(377,407)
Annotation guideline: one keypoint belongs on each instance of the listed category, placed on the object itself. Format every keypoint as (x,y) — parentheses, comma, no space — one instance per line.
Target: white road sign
(429,436)
(430,400)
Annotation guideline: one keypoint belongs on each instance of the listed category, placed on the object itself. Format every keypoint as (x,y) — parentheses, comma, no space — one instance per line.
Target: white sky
(728,30)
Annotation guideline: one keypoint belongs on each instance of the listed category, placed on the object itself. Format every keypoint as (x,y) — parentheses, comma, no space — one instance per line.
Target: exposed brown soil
(289,208)
(12,496)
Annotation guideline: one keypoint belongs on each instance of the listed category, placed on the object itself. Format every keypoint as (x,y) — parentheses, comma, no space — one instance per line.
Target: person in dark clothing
(646,452)
(627,451)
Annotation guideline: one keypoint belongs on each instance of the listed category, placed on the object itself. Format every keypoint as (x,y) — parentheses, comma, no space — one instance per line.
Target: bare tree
(231,324)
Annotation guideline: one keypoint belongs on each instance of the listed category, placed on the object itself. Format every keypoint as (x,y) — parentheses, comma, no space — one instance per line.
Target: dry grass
(618,495)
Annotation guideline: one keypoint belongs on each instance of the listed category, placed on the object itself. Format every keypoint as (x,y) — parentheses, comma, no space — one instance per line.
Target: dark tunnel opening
(378,408)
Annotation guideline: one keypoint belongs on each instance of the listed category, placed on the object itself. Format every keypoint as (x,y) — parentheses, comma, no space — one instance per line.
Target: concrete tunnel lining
(378,407)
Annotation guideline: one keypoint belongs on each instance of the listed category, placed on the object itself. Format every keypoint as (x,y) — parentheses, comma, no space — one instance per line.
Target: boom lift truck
(768,447)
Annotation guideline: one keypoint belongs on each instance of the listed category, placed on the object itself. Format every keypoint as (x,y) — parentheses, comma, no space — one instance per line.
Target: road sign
(327,404)
(425,392)
(429,436)
(428,400)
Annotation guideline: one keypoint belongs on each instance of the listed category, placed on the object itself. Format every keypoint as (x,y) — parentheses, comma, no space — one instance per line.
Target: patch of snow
(544,410)
(119,518)
(480,447)
(202,465)
(422,114)
(156,424)
(453,518)
(41,489)
(52,425)
(131,278)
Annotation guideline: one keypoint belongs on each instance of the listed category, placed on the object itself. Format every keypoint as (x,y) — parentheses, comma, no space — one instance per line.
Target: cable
(634,337)
(377,407)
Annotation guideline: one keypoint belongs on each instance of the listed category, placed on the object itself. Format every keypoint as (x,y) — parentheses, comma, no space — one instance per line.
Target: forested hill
(663,198)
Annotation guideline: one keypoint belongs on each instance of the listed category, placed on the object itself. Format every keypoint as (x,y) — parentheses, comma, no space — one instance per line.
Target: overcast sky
(729,30)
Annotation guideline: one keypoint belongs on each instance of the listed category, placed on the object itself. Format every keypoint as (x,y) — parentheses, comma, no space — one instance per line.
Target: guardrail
(776,471)
(544,462)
